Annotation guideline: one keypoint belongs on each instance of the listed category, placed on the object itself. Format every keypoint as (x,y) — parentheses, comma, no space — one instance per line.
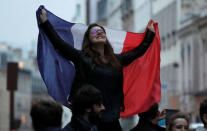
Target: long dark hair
(108,50)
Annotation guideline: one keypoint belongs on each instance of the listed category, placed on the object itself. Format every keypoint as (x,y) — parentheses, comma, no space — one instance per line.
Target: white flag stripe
(115,37)
(78,31)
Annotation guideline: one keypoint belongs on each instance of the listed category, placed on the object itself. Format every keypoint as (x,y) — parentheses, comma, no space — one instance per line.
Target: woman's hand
(150,26)
(43,15)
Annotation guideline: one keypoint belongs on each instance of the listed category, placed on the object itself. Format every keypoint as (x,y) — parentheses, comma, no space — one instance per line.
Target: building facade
(192,35)
(23,97)
(4,100)
(167,18)
(114,14)
(30,85)
(22,100)
(80,12)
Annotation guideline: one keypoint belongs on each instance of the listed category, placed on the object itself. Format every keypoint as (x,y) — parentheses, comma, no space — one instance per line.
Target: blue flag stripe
(57,72)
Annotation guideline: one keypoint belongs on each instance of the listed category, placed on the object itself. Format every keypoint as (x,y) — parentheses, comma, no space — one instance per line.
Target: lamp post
(12,75)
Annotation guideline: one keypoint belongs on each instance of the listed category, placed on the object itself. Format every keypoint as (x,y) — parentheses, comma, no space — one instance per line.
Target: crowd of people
(97,95)
(87,112)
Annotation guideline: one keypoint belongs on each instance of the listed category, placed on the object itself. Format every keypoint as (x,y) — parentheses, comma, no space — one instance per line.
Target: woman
(178,122)
(97,65)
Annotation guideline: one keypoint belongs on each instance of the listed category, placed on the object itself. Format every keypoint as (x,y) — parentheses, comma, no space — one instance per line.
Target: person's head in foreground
(203,112)
(179,122)
(46,113)
(88,103)
(151,113)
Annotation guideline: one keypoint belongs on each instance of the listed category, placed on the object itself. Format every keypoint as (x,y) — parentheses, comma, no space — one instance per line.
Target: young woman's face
(180,124)
(97,35)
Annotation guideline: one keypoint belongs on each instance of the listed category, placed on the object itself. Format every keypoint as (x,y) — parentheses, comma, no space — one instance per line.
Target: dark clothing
(110,126)
(51,129)
(79,124)
(108,80)
(146,125)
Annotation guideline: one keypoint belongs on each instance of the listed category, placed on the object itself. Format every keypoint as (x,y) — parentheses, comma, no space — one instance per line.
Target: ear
(88,110)
(205,118)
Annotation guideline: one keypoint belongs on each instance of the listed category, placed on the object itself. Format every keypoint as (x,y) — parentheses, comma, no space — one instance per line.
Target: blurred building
(114,14)
(4,94)
(97,11)
(183,67)
(142,14)
(22,99)
(92,10)
(4,100)
(21,96)
(102,12)
(80,12)
(30,85)
(127,15)
(168,17)
(192,36)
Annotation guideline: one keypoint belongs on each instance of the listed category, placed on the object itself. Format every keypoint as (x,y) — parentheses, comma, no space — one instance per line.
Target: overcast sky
(18,26)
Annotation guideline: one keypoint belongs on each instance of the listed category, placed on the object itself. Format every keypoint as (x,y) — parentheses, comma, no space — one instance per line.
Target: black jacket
(77,123)
(146,125)
(108,80)
(51,129)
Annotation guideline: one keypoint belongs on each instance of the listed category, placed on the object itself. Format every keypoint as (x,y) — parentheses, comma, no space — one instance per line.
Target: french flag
(141,85)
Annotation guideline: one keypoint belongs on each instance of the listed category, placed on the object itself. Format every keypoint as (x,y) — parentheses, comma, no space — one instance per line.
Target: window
(102,10)
(126,6)
(189,50)
(182,53)
(3,60)
(78,9)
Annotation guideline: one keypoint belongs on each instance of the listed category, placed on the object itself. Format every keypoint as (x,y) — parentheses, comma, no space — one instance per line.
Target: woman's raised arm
(128,57)
(59,44)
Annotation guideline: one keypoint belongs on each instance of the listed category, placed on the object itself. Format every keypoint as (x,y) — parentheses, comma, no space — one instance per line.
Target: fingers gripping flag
(141,84)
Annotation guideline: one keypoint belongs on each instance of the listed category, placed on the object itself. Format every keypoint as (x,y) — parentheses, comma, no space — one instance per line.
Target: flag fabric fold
(141,85)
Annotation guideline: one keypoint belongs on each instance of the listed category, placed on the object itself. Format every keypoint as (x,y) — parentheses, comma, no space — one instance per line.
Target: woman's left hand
(150,26)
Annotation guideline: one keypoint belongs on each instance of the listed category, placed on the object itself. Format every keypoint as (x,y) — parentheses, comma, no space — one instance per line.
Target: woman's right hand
(43,15)
(150,26)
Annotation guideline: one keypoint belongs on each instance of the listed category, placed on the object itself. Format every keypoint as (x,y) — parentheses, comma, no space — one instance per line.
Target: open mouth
(99,37)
